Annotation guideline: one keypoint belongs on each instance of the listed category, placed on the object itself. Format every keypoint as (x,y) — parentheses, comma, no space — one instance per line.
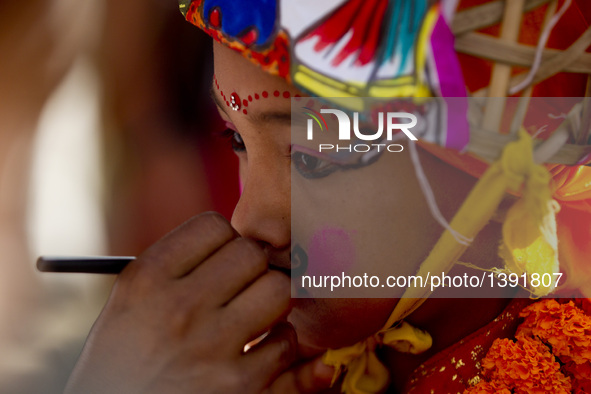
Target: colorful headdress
(376,48)
(397,48)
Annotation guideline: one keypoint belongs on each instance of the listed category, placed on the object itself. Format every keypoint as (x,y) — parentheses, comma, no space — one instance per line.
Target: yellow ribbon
(529,244)
(530,241)
(365,373)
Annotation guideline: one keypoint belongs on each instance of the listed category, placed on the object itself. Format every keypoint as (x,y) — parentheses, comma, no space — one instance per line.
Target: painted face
(372,217)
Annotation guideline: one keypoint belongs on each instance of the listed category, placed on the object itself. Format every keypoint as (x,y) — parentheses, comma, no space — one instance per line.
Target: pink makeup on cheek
(331,252)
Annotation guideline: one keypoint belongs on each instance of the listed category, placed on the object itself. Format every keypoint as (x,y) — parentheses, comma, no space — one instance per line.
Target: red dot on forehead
(235,101)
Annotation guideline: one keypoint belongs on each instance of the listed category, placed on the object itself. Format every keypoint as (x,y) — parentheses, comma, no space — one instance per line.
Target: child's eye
(312,167)
(235,140)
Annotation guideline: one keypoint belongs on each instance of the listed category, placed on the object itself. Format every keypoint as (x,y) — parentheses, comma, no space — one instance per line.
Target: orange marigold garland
(563,327)
(551,353)
(524,366)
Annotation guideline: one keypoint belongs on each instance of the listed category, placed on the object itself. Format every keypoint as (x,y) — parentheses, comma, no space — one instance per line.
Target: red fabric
(456,368)
(460,366)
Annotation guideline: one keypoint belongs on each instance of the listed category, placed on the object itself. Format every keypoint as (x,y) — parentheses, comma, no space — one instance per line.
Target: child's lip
(286,271)
(279,259)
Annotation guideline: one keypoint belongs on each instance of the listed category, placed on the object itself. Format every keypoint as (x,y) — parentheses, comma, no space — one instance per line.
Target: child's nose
(263,212)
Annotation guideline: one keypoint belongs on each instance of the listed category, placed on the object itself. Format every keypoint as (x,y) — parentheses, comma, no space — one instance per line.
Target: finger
(229,271)
(311,377)
(180,251)
(274,354)
(259,306)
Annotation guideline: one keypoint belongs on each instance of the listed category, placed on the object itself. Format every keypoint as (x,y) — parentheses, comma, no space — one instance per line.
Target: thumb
(311,377)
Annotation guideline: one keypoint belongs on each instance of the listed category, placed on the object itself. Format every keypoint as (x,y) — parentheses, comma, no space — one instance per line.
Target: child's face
(395,230)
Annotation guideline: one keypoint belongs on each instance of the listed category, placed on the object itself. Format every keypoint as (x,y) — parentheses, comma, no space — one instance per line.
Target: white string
(574,117)
(561,116)
(540,48)
(430,197)
(540,131)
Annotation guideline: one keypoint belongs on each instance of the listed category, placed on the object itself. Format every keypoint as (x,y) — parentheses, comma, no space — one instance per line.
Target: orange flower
(528,365)
(524,366)
(566,328)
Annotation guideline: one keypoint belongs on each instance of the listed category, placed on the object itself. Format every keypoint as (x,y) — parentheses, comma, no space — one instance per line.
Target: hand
(180,314)
(307,378)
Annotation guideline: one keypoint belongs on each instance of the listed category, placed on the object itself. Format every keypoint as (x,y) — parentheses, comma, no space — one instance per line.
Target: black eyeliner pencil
(84,264)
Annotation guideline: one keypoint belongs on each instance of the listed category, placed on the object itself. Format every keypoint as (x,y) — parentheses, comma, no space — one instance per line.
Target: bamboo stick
(491,48)
(488,14)
(501,73)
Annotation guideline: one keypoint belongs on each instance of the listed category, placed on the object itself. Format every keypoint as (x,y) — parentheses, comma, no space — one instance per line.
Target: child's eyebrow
(273,116)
